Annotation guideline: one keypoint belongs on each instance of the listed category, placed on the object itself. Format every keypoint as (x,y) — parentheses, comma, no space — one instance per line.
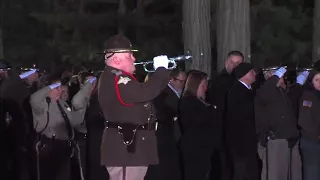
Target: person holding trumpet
(129,143)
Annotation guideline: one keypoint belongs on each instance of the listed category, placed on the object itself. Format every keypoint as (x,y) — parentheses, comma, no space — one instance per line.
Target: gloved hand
(53,86)
(280,72)
(160,61)
(92,80)
(301,79)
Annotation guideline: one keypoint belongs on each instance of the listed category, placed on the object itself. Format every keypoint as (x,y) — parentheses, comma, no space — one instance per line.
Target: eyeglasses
(234,63)
(180,80)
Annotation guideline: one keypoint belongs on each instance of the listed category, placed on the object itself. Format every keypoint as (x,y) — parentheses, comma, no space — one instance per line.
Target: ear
(116,60)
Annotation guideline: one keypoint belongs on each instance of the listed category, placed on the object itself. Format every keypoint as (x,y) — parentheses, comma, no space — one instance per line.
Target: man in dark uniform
(129,143)
(166,106)
(4,67)
(240,128)
(276,119)
(218,95)
(15,93)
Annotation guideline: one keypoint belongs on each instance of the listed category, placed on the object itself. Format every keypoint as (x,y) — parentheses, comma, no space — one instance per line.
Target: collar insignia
(116,72)
(123,80)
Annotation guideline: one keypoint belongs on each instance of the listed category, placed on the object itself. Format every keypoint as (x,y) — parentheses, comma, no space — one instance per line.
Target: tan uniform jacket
(80,102)
(55,124)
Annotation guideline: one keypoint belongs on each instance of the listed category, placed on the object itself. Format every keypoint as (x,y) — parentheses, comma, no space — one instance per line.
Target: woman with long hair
(198,119)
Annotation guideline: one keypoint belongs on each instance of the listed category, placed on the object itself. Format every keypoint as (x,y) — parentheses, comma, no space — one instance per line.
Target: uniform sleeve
(39,108)
(38,101)
(268,89)
(79,100)
(131,91)
(262,124)
(75,118)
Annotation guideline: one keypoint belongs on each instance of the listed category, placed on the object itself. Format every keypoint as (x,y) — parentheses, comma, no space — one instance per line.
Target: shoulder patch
(116,72)
(307,103)
(123,80)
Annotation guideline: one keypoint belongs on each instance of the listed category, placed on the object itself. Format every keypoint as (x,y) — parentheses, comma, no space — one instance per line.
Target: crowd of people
(244,124)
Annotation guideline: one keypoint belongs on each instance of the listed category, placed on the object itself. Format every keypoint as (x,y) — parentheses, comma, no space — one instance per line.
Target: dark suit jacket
(241,134)
(199,136)
(218,96)
(15,96)
(166,106)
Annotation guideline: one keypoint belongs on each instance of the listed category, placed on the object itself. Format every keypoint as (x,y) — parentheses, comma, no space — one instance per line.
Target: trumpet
(172,62)
(298,70)
(273,68)
(305,69)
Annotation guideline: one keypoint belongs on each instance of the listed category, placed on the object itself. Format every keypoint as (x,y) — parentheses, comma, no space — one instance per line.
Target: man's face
(232,62)
(33,77)
(179,81)
(64,93)
(125,61)
(281,83)
(3,74)
(56,93)
(250,76)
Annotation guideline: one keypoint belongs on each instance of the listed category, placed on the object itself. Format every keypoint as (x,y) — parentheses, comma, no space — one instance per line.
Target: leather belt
(147,126)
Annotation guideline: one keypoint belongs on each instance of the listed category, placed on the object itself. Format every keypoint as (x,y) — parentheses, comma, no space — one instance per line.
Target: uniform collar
(175,91)
(247,86)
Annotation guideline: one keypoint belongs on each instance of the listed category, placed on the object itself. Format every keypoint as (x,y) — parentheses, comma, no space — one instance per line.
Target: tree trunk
(140,15)
(196,32)
(1,44)
(121,13)
(233,29)
(1,31)
(316,31)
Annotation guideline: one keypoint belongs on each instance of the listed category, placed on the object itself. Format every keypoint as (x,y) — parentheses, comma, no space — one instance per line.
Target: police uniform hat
(242,69)
(118,44)
(4,66)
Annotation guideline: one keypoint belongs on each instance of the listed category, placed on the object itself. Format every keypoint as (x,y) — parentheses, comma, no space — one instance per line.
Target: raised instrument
(298,70)
(148,66)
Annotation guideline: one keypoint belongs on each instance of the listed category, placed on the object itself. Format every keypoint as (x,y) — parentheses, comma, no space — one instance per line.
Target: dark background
(59,33)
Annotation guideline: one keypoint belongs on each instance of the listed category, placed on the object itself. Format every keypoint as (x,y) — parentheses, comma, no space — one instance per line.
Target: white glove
(301,79)
(160,61)
(92,80)
(280,72)
(53,86)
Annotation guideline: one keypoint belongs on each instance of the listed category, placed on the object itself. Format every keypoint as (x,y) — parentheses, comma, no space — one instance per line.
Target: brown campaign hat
(119,44)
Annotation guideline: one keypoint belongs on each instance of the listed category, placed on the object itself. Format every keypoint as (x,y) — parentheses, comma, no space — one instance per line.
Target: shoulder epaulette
(116,72)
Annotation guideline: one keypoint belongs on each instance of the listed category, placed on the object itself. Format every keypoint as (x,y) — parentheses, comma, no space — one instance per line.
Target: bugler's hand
(160,61)
(92,80)
(301,79)
(280,72)
(53,86)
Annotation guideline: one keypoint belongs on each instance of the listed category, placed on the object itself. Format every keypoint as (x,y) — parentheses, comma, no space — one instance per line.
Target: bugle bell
(273,68)
(148,66)
(299,70)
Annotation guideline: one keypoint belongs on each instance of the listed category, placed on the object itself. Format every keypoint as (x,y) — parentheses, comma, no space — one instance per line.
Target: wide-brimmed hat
(119,44)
